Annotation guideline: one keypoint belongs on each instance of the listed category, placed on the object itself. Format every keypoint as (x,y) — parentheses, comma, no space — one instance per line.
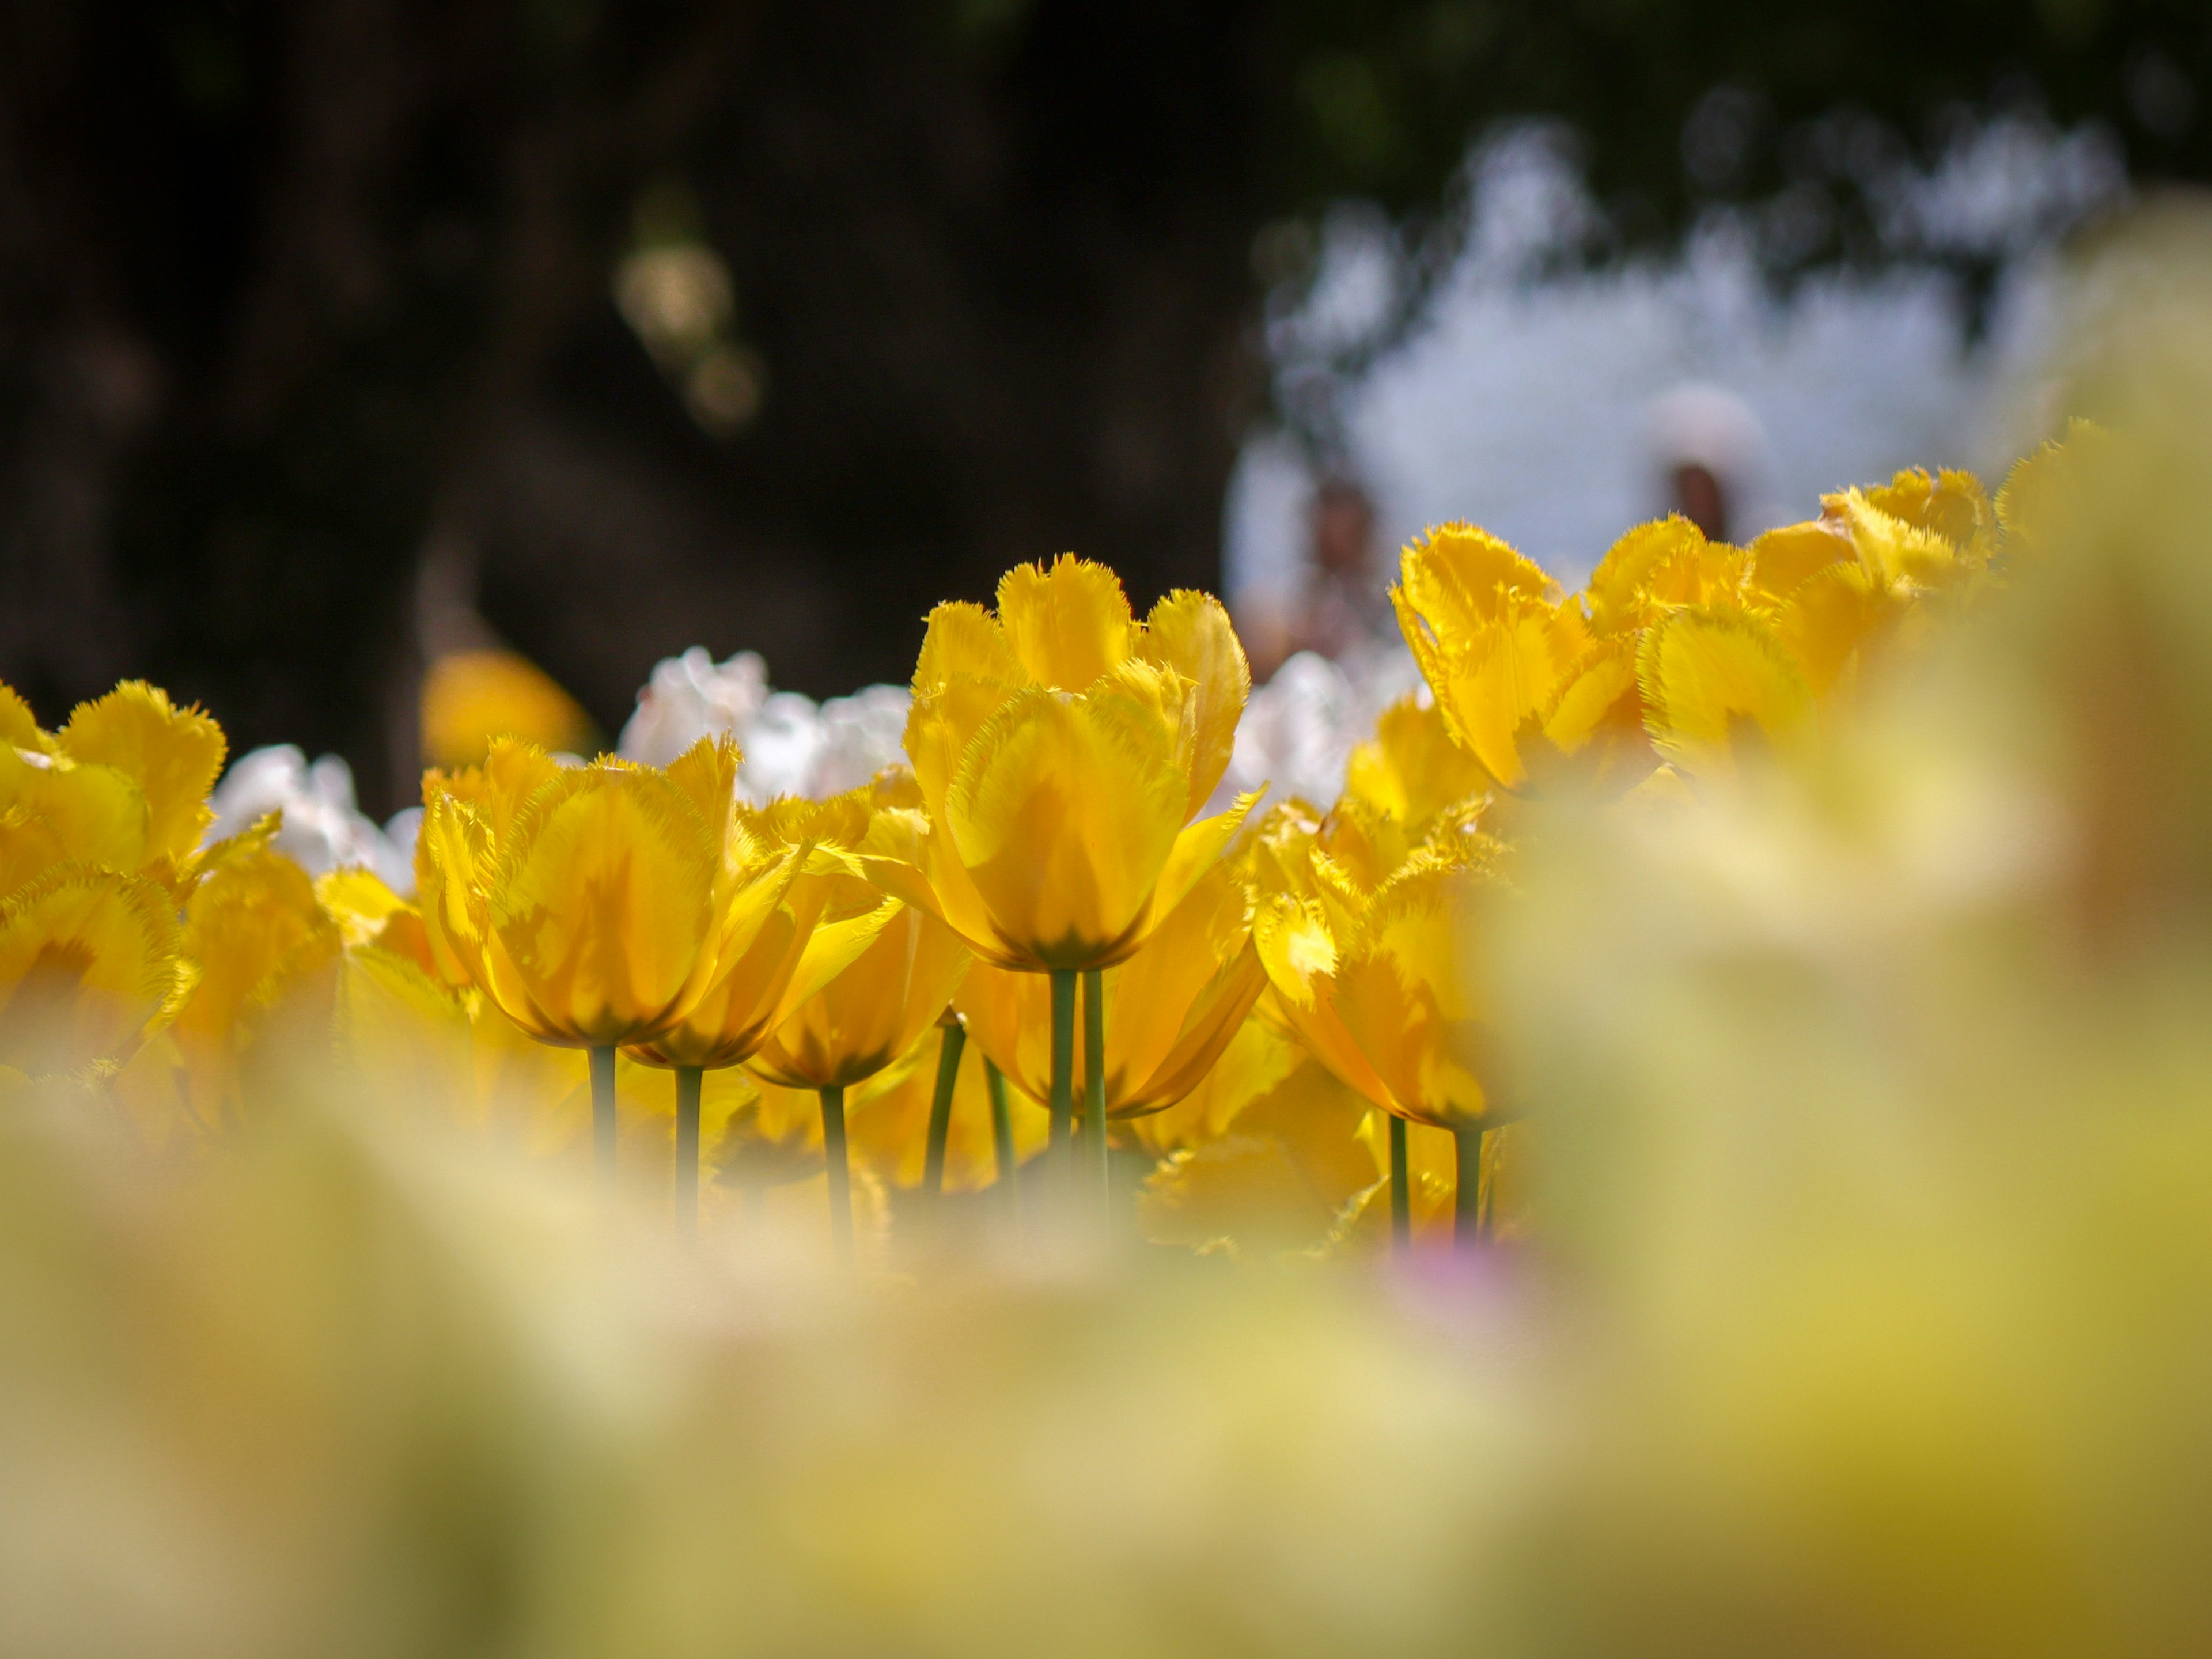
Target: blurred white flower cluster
(792,745)
(324,827)
(1297,734)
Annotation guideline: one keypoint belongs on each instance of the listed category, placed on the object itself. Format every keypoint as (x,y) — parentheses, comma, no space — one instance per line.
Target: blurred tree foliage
(327,339)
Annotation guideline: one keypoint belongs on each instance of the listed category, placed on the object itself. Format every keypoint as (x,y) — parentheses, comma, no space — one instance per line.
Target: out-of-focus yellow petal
(1411,768)
(2045,487)
(88,958)
(1713,680)
(1783,560)
(471,697)
(1276,1181)
(1068,622)
(172,755)
(265,952)
(54,811)
(405,1036)
(1191,634)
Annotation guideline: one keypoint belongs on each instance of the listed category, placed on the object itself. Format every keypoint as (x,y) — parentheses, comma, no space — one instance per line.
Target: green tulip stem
(1002,1127)
(940,1106)
(603,1114)
(690,1082)
(1402,1193)
(1094,1081)
(1063,1061)
(1466,1195)
(841,1174)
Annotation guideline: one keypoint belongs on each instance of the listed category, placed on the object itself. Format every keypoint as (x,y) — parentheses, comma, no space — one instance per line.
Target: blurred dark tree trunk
(290,294)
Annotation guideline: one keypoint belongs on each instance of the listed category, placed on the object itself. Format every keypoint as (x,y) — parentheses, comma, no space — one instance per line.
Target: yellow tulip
(1541,700)
(875,1007)
(1278,1176)
(1063,749)
(1380,986)
(121,787)
(591,918)
(794,921)
(263,953)
(88,963)
(1413,771)
(1169,1010)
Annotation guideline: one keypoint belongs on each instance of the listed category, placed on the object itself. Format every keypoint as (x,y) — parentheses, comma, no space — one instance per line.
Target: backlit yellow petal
(601,907)
(1713,680)
(1191,634)
(1068,622)
(1064,812)
(172,755)
(88,957)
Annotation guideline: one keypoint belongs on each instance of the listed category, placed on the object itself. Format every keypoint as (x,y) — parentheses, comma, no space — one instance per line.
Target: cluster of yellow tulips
(1264,1000)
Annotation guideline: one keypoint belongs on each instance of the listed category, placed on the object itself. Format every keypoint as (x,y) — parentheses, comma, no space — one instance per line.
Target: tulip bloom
(89,960)
(1380,988)
(606,904)
(1525,685)
(1169,1010)
(1063,750)
(799,921)
(123,787)
(872,1010)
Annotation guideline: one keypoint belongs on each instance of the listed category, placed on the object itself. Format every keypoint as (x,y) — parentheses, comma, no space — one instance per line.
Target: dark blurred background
(338,332)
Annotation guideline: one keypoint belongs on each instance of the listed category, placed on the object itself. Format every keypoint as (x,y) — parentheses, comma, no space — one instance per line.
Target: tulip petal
(1065,811)
(1068,622)
(172,755)
(1191,633)
(1713,677)
(88,957)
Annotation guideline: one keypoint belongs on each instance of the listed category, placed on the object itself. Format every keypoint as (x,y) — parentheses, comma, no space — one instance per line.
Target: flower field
(1701,1147)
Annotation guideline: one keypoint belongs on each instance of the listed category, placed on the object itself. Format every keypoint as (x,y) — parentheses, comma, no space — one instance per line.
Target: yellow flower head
(1524,684)
(878,1005)
(263,953)
(792,916)
(1170,1010)
(588,902)
(1412,771)
(471,697)
(88,961)
(123,787)
(1381,989)
(1062,747)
